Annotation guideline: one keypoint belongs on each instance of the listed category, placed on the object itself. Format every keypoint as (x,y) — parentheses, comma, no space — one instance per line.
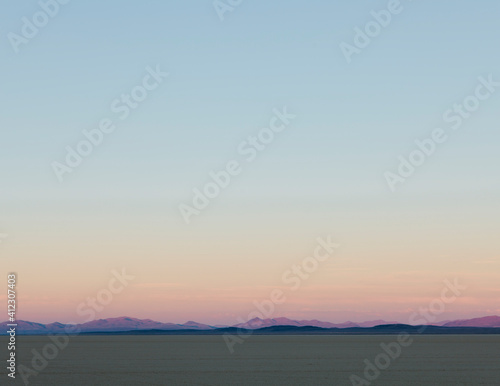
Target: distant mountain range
(487,321)
(385,329)
(127,324)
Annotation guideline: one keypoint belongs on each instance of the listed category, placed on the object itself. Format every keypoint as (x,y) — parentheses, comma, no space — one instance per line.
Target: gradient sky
(322,175)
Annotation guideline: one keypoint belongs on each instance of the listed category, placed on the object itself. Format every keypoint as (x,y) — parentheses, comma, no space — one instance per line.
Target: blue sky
(225,78)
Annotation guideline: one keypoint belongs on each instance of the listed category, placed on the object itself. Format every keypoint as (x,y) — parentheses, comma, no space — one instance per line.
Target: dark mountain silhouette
(132,325)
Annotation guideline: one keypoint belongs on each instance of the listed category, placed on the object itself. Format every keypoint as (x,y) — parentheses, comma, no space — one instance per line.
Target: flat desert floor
(261,360)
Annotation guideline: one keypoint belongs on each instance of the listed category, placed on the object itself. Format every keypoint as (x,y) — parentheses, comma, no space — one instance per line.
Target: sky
(324,174)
